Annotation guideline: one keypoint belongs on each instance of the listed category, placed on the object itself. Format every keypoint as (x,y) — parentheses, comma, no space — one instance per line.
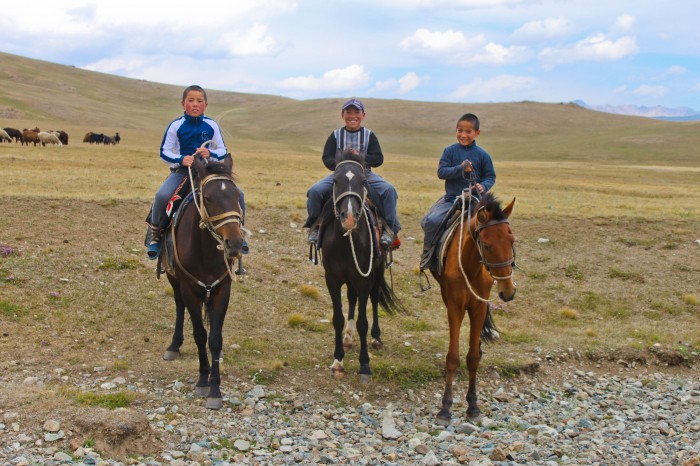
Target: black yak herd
(36,136)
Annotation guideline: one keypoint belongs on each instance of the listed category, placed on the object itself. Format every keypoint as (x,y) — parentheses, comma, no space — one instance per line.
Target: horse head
(219,203)
(349,188)
(495,241)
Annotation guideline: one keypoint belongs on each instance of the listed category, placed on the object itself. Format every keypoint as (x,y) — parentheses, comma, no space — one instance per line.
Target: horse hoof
(337,373)
(171,355)
(214,403)
(443,418)
(377,344)
(365,378)
(474,417)
(201,391)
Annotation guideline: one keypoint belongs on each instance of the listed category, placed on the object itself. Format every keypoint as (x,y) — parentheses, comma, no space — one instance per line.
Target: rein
(477,241)
(208,222)
(362,199)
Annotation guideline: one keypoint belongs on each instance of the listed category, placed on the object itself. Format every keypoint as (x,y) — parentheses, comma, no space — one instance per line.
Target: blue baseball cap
(353,103)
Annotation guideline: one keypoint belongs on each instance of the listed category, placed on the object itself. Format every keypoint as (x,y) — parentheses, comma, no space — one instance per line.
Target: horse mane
(490,204)
(350,154)
(218,168)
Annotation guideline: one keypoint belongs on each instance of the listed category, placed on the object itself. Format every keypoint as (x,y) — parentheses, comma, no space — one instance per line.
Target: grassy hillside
(38,93)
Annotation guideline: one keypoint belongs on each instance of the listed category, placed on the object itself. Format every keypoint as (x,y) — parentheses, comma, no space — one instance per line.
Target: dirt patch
(117,433)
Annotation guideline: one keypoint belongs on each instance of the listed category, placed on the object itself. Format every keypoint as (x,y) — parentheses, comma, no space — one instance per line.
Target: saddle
(434,259)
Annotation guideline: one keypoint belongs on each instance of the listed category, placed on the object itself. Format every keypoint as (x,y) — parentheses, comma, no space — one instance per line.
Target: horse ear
(507,211)
(228,163)
(199,167)
(482,216)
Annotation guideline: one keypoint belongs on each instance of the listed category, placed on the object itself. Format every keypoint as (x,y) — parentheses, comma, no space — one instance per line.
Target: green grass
(107,400)
(120,263)
(8,309)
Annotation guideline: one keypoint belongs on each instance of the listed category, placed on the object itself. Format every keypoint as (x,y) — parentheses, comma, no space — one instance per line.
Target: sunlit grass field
(607,220)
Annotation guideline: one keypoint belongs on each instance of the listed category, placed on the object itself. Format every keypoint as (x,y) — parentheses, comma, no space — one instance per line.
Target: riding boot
(386,239)
(156,243)
(313,234)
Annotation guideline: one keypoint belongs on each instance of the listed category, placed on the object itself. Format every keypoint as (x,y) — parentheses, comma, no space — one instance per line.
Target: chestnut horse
(480,252)
(351,257)
(201,274)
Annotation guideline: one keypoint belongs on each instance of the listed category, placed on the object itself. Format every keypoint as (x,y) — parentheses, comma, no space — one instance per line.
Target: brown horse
(480,253)
(201,274)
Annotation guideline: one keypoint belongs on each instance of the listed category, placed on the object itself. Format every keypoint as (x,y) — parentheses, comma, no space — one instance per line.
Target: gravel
(582,418)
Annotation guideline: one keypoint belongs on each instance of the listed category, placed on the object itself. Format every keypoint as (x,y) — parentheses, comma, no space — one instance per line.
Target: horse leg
(455,316)
(337,369)
(217,313)
(477,317)
(173,351)
(376,332)
(194,306)
(349,333)
(362,326)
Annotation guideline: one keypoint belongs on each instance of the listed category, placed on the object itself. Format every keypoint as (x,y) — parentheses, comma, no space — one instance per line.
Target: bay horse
(201,275)
(480,252)
(351,256)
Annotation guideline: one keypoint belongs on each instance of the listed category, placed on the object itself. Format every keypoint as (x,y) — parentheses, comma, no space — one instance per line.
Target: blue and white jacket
(185,134)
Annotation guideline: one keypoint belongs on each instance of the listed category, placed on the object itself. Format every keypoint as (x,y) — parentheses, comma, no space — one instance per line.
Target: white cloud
(408,82)
(448,41)
(624,22)
(596,47)
(548,28)
(646,90)
(498,88)
(403,85)
(466,3)
(496,54)
(340,79)
(675,69)
(251,42)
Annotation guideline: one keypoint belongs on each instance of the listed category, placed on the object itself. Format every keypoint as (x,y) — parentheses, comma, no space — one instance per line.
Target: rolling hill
(49,95)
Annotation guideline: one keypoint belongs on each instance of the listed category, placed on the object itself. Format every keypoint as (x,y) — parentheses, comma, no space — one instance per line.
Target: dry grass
(76,288)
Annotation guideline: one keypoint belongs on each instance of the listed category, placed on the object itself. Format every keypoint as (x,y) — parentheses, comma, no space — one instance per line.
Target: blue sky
(617,52)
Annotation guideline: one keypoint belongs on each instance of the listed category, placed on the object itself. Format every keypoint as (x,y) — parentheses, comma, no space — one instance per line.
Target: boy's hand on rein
(467,165)
(202,151)
(187,160)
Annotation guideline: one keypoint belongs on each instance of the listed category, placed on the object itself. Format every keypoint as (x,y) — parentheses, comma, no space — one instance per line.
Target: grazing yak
(4,135)
(62,136)
(49,138)
(30,135)
(14,133)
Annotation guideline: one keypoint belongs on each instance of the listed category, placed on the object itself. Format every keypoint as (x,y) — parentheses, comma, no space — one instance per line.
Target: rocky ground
(563,413)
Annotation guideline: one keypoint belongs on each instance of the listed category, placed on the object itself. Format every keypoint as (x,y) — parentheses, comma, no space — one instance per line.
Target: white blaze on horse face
(350,175)
(350,212)
(223,186)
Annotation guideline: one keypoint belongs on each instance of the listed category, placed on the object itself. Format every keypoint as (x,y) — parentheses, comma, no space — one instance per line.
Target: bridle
(336,212)
(479,244)
(349,193)
(211,223)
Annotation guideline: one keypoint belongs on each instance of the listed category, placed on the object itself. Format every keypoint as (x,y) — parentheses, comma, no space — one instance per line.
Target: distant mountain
(657,112)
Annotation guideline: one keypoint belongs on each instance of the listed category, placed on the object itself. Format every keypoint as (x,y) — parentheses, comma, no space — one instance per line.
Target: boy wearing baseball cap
(354,135)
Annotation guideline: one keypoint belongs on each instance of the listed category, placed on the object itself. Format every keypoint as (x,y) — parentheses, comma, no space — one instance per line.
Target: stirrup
(313,235)
(154,249)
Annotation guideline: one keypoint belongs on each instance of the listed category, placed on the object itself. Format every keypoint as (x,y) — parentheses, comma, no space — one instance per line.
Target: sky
(615,52)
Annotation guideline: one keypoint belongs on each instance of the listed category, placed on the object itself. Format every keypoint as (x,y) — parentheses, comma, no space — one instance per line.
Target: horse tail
(388,299)
(489,332)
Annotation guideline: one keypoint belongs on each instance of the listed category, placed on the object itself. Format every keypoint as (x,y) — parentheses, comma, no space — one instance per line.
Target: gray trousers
(322,190)
(166,191)
(432,219)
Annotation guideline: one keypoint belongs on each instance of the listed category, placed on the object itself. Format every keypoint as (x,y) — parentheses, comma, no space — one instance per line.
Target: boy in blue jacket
(459,165)
(181,143)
